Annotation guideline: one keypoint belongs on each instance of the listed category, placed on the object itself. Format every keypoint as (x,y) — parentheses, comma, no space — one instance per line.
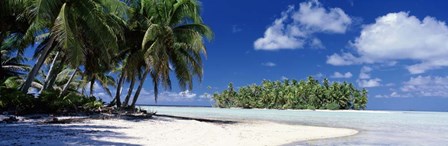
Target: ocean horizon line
(205,106)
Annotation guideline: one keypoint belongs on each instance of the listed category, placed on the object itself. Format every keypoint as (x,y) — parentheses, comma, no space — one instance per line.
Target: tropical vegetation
(293,94)
(83,44)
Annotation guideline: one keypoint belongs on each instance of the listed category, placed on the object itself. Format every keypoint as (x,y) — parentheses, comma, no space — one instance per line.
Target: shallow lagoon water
(376,127)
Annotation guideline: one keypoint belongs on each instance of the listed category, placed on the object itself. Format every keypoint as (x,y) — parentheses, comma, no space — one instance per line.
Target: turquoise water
(376,127)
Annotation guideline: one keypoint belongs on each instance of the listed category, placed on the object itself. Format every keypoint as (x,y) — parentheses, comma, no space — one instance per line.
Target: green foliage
(332,106)
(72,102)
(146,37)
(13,100)
(309,94)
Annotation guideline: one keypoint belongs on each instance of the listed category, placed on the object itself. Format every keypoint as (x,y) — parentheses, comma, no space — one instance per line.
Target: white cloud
(284,78)
(269,64)
(390,84)
(281,35)
(344,59)
(294,28)
(206,96)
(147,96)
(365,72)
(187,94)
(341,75)
(314,17)
(365,80)
(394,94)
(400,36)
(317,44)
(422,86)
(369,83)
(427,86)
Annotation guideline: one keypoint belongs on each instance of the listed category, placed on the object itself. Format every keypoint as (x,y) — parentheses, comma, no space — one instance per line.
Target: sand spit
(163,131)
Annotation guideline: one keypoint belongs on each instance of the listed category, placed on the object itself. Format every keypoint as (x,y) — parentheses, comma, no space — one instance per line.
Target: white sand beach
(163,131)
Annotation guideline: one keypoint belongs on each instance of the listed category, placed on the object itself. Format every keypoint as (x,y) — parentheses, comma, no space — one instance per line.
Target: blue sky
(398,50)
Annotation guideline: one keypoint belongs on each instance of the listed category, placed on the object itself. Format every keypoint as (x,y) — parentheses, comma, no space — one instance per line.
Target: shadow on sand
(68,132)
(57,134)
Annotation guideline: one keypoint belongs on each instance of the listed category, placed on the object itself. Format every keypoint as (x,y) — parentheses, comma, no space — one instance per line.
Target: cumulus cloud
(206,96)
(295,27)
(314,17)
(369,83)
(344,59)
(365,72)
(421,86)
(269,64)
(147,96)
(400,36)
(187,94)
(365,80)
(342,75)
(281,35)
(427,86)
(317,44)
(394,94)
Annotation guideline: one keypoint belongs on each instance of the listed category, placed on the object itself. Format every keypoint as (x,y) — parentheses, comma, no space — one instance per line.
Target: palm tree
(11,66)
(86,31)
(12,28)
(173,36)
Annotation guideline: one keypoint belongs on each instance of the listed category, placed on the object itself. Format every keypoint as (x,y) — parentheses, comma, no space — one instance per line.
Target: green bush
(310,107)
(93,104)
(14,100)
(72,102)
(332,106)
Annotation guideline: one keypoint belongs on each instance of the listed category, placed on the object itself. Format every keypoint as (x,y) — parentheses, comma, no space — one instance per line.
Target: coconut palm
(11,65)
(86,31)
(13,25)
(173,36)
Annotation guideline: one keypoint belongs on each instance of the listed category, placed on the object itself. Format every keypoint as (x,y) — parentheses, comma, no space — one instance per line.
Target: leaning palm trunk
(64,90)
(128,96)
(1,60)
(92,83)
(118,93)
(2,37)
(36,67)
(140,86)
(53,76)
(50,73)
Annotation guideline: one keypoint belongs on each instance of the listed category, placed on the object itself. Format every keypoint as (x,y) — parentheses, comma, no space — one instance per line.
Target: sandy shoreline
(163,131)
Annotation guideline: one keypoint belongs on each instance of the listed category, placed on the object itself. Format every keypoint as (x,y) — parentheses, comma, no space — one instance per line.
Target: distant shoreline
(172,105)
(367,110)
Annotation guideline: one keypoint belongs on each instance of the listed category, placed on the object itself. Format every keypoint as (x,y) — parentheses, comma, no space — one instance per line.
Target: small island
(293,94)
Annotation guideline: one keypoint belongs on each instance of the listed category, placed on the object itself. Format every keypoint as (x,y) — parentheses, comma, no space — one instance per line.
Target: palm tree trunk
(137,93)
(36,68)
(50,72)
(2,36)
(68,83)
(128,96)
(118,94)
(92,83)
(53,76)
(1,63)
